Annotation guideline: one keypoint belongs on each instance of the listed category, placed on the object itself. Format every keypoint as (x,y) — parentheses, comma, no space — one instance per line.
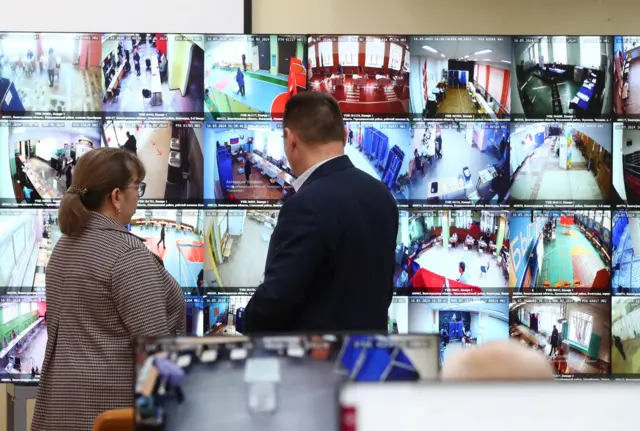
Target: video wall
(512,159)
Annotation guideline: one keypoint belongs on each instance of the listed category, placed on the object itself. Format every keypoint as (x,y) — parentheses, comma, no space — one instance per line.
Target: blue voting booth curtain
(373,364)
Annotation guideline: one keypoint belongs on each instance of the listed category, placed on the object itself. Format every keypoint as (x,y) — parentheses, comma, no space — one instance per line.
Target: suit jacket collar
(333,165)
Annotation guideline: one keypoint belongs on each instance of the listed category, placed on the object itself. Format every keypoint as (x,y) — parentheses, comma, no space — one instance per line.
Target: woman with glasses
(104,289)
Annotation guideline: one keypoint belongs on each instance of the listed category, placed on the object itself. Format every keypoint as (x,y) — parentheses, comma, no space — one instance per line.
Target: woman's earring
(117,210)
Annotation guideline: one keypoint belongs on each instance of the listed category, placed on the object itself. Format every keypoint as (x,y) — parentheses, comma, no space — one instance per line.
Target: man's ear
(346,136)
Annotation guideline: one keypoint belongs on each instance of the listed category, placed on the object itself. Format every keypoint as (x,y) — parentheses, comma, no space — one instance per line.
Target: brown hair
(98,172)
(315,117)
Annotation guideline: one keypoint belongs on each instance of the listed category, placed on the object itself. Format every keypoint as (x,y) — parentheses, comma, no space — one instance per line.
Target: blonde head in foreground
(498,360)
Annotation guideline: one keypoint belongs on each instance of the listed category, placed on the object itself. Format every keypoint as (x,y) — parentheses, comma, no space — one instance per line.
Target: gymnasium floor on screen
(245,265)
(216,397)
(183,255)
(456,155)
(262,91)
(446,262)
(541,178)
(370,99)
(570,257)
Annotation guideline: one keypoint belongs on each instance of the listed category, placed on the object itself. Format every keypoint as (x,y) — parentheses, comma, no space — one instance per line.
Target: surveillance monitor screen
(626,50)
(561,164)
(23,330)
(245,163)
(462,77)
(562,77)
(153,74)
(175,236)
(625,240)
(572,332)
(462,321)
(453,252)
(625,331)
(626,169)
(262,378)
(27,239)
(398,317)
(172,153)
(236,248)
(224,314)
(40,156)
(381,149)
(461,162)
(252,76)
(368,75)
(195,315)
(560,252)
(50,73)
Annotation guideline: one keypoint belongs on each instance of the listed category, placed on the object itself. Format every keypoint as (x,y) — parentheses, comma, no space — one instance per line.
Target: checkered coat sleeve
(104,288)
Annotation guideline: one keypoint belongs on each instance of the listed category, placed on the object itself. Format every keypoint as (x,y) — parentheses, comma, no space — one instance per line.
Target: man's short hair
(315,117)
(463,266)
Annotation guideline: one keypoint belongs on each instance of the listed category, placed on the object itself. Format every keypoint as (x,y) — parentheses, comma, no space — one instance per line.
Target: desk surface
(268,166)
(449,186)
(40,185)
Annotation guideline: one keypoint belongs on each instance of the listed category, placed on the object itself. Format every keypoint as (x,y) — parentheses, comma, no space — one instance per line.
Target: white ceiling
(458,49)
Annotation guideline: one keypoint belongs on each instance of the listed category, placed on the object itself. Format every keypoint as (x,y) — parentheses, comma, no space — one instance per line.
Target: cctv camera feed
(573,333)
(153,73)
(252,76)
(266,375)
(626,76)
(56,73)
(626,163)
(398,317)
(463,77)
(555,252)
(625,331)
(176,237)
(236,247)
(246,162)
(458,252)
(561,163)
(459,162)
(41,156)
(27,239)
(626,253)
(562,77)
(24,337)
(382,150)
(462,322)
(172,153)
(368,75)
(195,315)
(224,314)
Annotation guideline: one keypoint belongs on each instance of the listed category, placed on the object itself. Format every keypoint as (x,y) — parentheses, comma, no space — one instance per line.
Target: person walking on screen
(131,144)
(244,62)
(240,81)
(461,269)
(554,341)
(172,376)
(162,233)
(618,343)
(248,167)
(331,257)
(52,63)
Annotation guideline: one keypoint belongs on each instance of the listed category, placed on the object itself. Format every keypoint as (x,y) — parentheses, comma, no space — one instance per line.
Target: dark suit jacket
(331,257)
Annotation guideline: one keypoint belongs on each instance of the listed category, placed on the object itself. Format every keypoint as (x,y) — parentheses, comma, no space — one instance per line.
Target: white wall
(628,326)
(492,328)
(399,311)
(599,132)
(6,154)
(434,76)
(423,319)
(196,16)
(618,151)
(236,222)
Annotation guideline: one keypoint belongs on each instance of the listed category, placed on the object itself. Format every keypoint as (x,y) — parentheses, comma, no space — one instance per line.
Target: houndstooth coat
(104,288)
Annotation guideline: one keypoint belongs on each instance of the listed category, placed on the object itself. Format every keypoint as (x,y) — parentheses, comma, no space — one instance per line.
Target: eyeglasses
(142,187)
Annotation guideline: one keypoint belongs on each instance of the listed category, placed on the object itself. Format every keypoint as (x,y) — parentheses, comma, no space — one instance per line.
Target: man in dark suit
(131,144)
(331,257)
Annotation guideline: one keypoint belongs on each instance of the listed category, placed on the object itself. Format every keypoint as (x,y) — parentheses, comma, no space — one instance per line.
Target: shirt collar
(298,182)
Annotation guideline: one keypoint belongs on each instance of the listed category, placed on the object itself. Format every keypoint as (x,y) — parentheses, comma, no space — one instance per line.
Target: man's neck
(327,153)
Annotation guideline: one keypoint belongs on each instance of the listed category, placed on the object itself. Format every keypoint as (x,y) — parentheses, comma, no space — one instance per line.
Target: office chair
(115,420)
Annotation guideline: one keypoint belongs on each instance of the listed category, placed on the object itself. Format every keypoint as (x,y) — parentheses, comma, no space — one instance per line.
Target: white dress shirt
(298,182)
